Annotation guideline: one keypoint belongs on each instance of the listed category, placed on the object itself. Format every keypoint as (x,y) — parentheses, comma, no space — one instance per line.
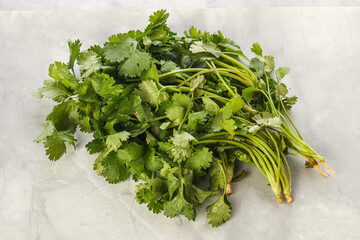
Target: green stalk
(239,64)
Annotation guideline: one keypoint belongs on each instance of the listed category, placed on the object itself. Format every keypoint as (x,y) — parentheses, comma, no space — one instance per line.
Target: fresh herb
(174,112)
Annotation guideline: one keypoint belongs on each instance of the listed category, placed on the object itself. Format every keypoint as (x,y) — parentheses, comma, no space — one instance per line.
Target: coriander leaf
(173,184)
(175,114)
(210,106)
(281,72)
(201,159)
(256,49)
(55,144)
(168,66)
(149,92)
(266,119)
(117,52)
(219,212)
(89,63)
(53,90)
(55,147)
(135,64)
(194,118)
(157,18)
(114,141)
(248,93)
(104,85)
(153,163)
(95,146)
(151,74)
(235,104)
(199,47)
(217,179)
(181,100)
(229,126)
(74,48)
(199,196)
(60,72)
(49,129)
(282,89)
(181,149)
(241,156)
(179,205)
(289,102)
(115,169)
(269,64)
(197,82)
(193,33)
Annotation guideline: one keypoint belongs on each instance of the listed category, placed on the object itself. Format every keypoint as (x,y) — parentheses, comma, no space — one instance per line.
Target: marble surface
(11,5)
(66,200)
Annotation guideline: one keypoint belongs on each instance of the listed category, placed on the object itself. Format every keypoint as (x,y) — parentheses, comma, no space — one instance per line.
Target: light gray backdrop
(47,200)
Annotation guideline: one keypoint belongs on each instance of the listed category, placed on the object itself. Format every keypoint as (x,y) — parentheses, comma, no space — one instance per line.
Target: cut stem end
(320,170)
(288,198)
(278,197)
(228,188)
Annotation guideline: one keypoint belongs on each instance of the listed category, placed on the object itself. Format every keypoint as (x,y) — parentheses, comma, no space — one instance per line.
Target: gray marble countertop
(66,199)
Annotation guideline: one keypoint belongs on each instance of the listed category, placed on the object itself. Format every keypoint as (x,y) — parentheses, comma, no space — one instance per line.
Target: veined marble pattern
(66,200)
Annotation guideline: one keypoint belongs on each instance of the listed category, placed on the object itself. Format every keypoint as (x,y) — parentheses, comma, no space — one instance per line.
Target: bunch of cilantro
(175,113)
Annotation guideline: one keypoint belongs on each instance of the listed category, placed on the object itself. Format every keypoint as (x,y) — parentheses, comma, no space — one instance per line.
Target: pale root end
(321,171)
(288,198)
(327,166)
(228,188)
(278,197)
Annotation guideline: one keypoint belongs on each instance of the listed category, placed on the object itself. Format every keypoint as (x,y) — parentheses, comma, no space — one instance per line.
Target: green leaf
(151,74)
(210,106)
(181,149)
(241,156)
(179,205)
(282,89)
(281,72)
(60,72)
(55,145)
(168,66)
(217,179)
(235,104)
(197,82)
(117,52)
(219,212)
(53,90)
(195,118)
(49,129)
(95,146)
(181,100)
(148,92)
(199,196)
(248,93)
(175,114)
(114,141)
(193,33)
(173,184)
(210,47)
(115,170)
(104,85)
(135,64)
(256,49)
(89,63)
(269,64)
(201,159)
(153,163)
(266,119)
(289,102)
(74,48)
(157,18)
(229,126)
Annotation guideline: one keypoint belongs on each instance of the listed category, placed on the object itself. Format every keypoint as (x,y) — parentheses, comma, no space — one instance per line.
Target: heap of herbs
(176,113)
